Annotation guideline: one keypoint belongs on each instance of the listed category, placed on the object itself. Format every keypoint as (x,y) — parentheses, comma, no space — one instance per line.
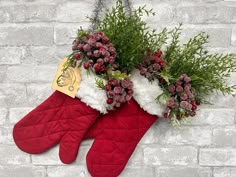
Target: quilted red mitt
(61,119)
(116,136)
(118,132)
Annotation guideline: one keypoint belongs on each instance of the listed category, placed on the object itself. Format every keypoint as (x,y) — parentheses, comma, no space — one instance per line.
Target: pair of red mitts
(66,121)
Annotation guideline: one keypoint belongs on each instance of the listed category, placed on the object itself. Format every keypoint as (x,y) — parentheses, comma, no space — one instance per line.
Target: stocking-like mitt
(117,133)
(61,119)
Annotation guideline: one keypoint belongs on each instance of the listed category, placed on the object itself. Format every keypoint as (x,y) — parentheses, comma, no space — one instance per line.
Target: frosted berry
(91,62)
(86,65)
(96,67)
(89,54)
(105,40)
(165,115)
(109,101)
(100,61)
(86,47)
(77,56)
(194,107)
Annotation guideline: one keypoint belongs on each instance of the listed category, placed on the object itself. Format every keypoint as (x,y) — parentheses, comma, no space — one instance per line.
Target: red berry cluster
(118,91)
(152,66)
(182,102)
(96,50)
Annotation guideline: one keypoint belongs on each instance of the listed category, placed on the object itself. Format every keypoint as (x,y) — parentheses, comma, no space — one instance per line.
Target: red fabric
(116,136)
(59,119)
(64,120)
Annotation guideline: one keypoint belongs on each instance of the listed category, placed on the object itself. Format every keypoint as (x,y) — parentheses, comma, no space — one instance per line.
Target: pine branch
(209,72)
(131,36)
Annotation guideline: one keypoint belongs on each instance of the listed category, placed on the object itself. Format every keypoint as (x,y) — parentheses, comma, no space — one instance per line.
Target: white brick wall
(35,34)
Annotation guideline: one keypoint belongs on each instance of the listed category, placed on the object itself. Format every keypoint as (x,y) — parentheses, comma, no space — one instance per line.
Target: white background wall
(36,34)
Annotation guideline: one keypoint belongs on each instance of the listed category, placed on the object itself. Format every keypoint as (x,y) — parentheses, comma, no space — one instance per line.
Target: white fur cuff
(145,93)
(90,94)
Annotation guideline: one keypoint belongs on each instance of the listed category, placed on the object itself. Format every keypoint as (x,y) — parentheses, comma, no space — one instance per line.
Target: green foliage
(82,33)
(130,35)
(99,83)
(208,72)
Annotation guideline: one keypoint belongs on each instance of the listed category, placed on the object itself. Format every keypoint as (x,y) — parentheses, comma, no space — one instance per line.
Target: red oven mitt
(117,133)
(61,119)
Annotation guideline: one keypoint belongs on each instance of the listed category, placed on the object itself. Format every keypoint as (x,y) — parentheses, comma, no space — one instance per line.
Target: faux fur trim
(90,94)
(145,93)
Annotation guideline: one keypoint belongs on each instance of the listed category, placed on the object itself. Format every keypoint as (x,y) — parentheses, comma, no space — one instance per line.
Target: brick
(6,135)
(65,34)
(183,172)
(222,50)
(232,79)
(22,171)
(163,133)
(62,51)
(217,157)
(13,95)
(138,3)
(150,136)
(27,34)
(20,74)
(221,101)
(3,115)
(220,36)
(50,157)
(73,11)
(137,172)
(39,1)
(218,13)
(28,13)
(37,93)
(27,57)
(109,4)
(136,158)
(214,117)
(170,155)
(224,137)
(44,55)
(2,72)
(15,114)
(68,171)
(233,39)
(12,155)
(185,136)
(81,157)
(165,14)
(30,73)
(45,73)
(10,55)
(224,172)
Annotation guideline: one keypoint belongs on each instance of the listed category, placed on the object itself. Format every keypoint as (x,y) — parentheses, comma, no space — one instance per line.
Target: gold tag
(67,81)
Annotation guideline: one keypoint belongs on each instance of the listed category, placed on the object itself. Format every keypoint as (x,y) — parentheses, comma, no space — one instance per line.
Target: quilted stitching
(64,120)
(58,119)
(120,132)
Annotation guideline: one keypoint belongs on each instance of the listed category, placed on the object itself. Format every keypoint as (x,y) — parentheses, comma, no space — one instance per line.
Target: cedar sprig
(130,35)
(209,72)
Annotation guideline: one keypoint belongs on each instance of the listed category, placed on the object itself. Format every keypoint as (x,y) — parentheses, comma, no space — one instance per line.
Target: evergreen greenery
(130,35)
(208,72)
(136,43)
